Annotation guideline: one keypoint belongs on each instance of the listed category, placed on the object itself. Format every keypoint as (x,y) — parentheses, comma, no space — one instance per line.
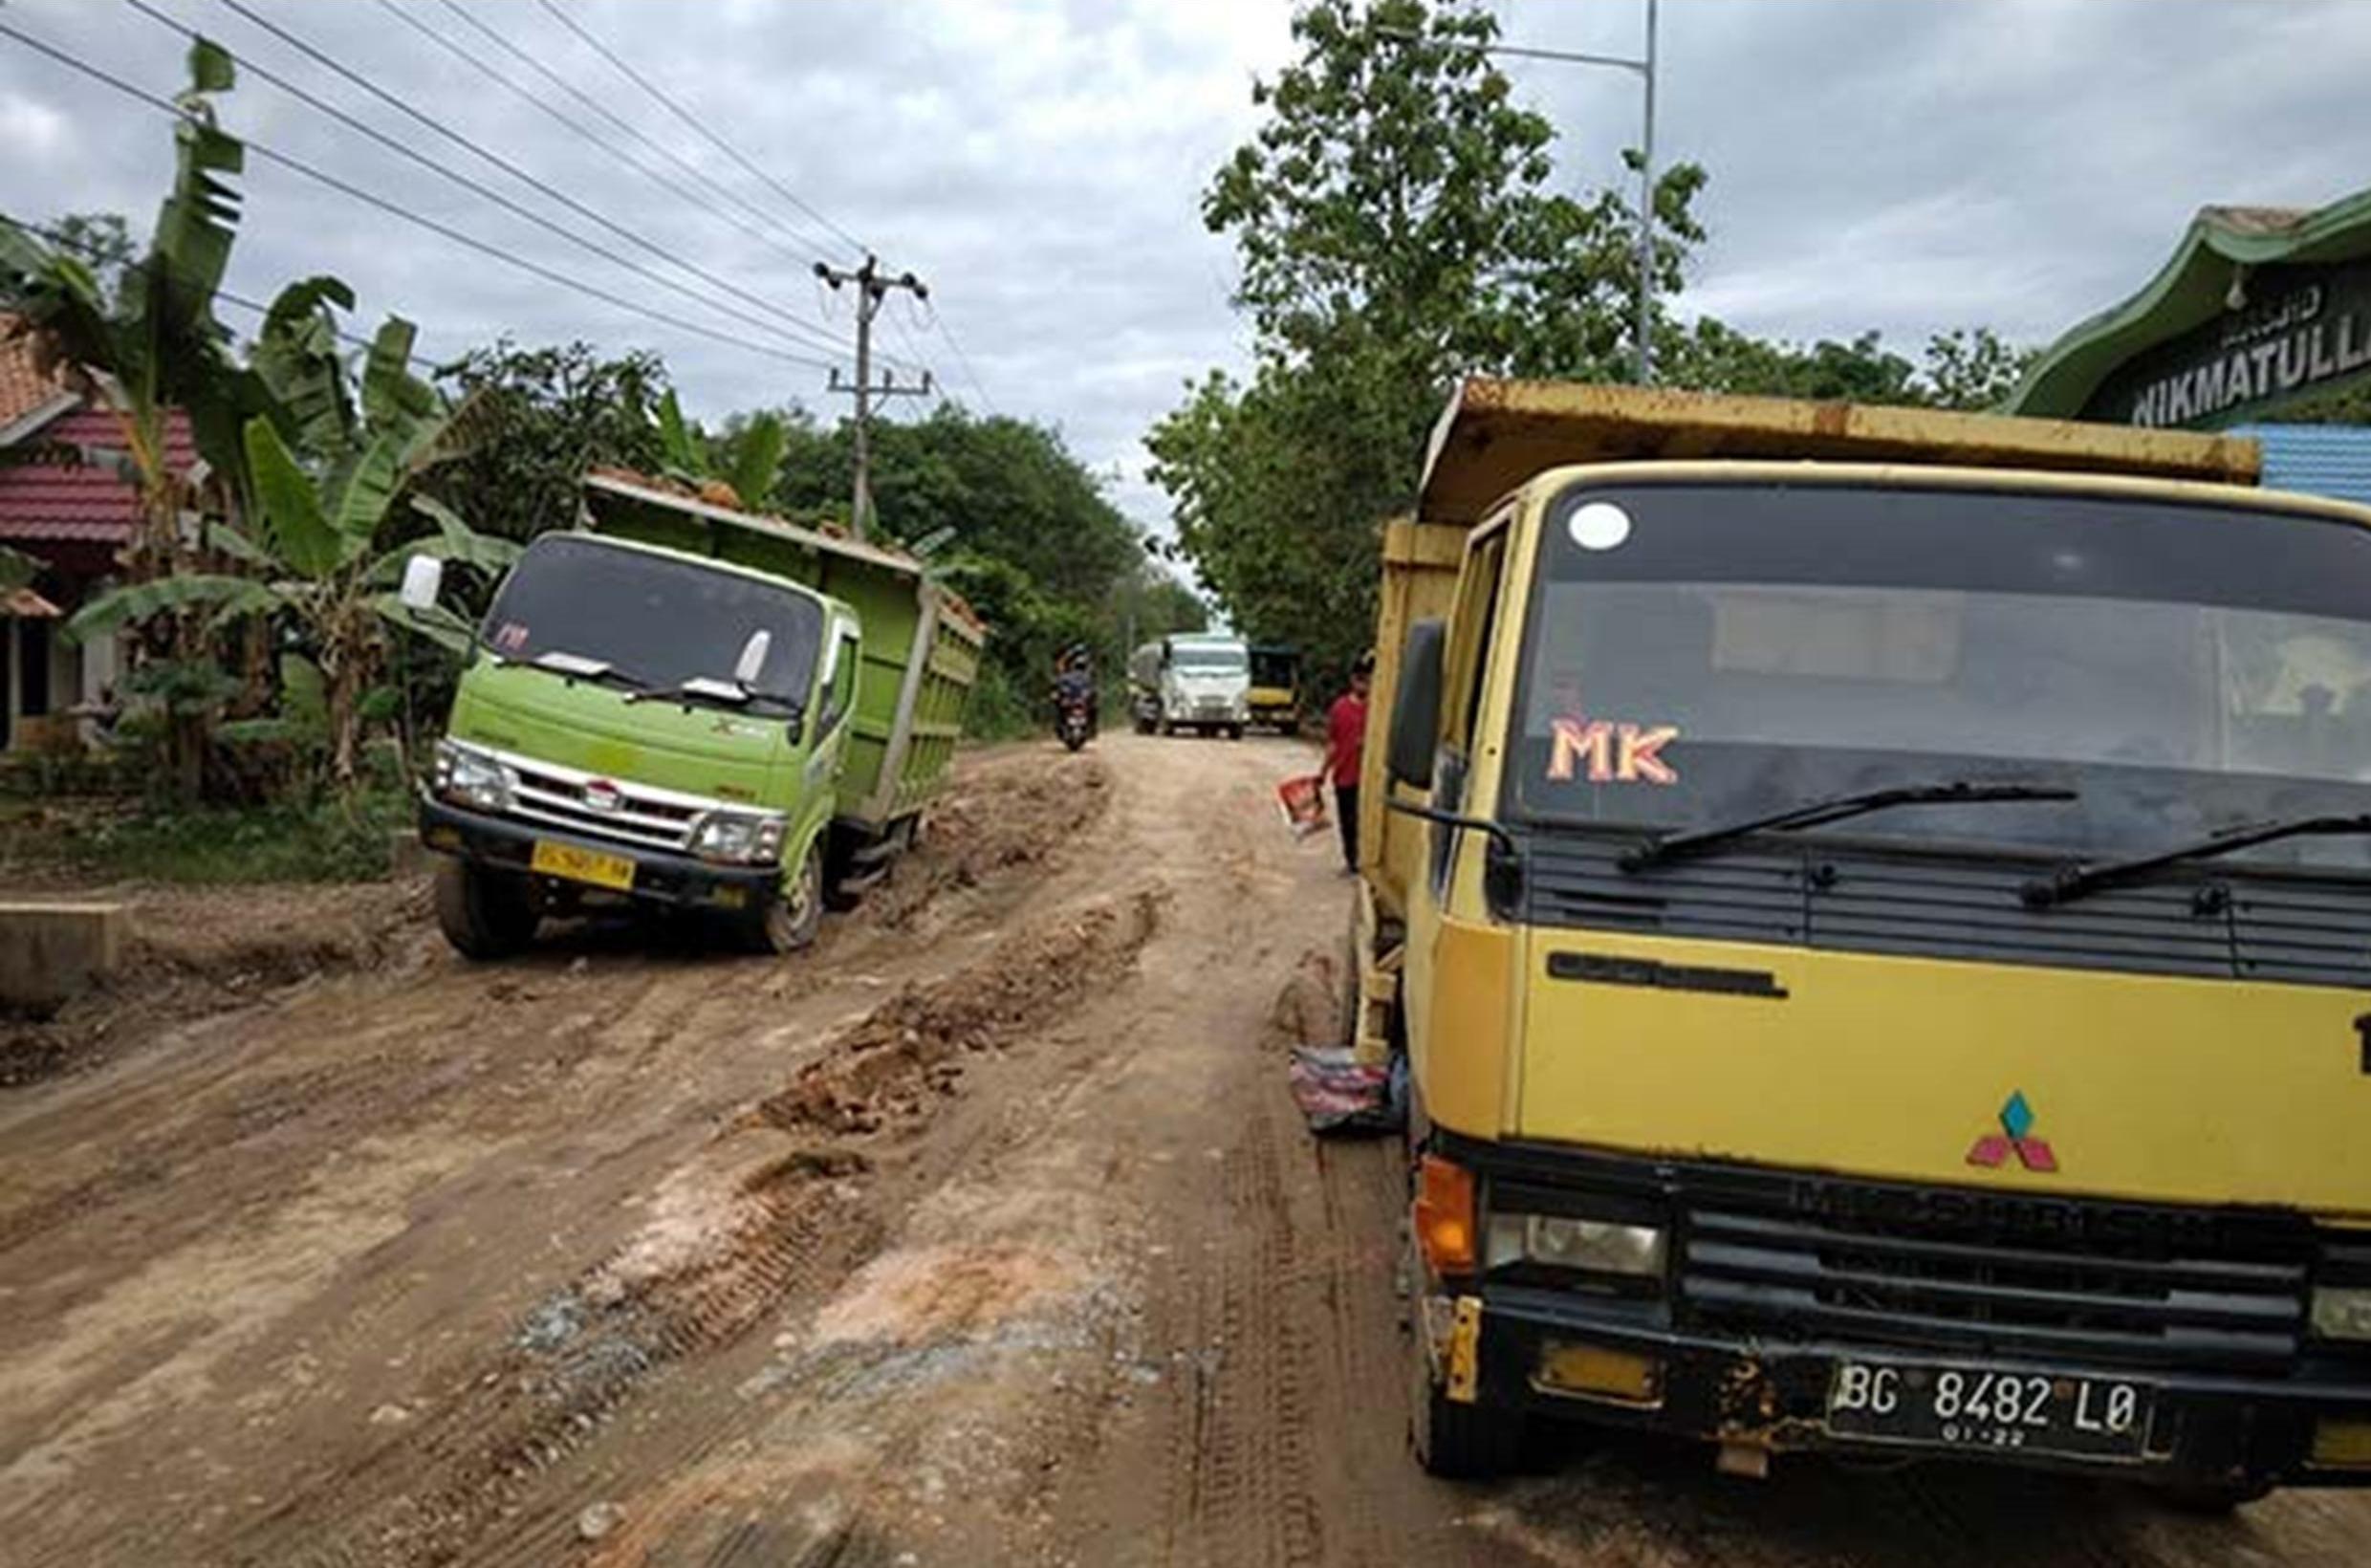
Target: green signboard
(2296,331)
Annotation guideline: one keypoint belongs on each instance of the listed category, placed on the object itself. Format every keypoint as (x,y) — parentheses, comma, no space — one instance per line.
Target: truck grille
(2297,931)
(2163,1288)
(601,808)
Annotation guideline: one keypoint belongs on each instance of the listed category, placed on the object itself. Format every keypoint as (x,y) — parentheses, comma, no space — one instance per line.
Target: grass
(321,840)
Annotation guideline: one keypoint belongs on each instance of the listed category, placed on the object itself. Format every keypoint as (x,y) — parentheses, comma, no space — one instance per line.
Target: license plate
(585,865)
(1970,1408)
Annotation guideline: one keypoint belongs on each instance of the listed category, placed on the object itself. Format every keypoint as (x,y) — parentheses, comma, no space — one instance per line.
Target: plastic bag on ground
(1303,803)
(1339,1092)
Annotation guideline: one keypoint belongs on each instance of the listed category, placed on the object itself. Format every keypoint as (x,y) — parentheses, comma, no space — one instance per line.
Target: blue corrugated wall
(2318,459)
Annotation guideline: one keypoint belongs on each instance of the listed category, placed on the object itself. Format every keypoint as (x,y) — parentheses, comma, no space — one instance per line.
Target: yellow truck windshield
(1700,654)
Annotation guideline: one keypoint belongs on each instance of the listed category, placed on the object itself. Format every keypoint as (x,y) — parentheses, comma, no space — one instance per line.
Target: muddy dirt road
(984,1233)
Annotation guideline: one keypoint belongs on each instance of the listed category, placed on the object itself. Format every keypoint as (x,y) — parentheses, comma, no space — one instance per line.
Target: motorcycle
(1073,717)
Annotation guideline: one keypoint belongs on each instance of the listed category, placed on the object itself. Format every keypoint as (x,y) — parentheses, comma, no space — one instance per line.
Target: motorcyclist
(1074,678)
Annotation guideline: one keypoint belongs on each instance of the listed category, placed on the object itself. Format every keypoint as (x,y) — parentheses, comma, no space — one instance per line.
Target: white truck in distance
(1192,681)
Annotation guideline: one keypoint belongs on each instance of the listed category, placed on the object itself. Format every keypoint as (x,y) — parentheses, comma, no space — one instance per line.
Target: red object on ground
(1303,800)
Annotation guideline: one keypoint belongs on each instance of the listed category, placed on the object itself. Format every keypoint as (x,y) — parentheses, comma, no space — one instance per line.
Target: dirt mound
(1309,1009)
(201,951)
(909,1047)
(1004,812)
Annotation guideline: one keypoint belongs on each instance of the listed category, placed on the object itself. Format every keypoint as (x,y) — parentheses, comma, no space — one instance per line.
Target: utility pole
(872,288)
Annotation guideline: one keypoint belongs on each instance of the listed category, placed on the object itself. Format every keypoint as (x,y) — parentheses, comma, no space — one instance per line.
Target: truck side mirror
(424,579)
(1416,706)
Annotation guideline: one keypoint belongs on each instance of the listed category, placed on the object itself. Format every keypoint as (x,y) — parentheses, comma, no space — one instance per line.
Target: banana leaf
(145,600)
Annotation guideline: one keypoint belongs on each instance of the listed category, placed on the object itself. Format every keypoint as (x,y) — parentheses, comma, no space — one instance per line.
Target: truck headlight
(468,777)
(1590,1246)
(742,838)
(2342,1312)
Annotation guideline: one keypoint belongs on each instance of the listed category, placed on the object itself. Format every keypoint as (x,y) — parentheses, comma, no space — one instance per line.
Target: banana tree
(154,349)
(744,462)
(317,544)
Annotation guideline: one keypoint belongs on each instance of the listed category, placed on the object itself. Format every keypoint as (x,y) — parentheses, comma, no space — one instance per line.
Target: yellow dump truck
(1874,906)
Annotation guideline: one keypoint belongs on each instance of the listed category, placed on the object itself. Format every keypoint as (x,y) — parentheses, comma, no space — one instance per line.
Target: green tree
(1397,202)
(539,418)
(1397,227)
(1970,369)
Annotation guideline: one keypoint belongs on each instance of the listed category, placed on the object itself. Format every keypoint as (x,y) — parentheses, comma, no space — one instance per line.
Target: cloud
(2020,163)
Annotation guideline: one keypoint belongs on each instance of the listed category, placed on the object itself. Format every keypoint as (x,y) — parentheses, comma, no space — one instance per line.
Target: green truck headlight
(469,777)
(2342,1312)
(1590,1246)
(742,838)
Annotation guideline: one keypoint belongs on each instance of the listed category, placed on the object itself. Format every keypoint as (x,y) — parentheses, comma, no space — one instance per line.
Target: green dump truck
(684,705)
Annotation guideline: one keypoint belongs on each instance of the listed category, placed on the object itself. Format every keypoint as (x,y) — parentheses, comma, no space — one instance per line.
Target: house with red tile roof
(74,519)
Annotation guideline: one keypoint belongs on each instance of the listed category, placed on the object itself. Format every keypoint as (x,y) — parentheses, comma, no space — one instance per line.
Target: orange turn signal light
(1445,1215)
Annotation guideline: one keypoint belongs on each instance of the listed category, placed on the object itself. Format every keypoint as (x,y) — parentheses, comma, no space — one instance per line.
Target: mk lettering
(1612,754)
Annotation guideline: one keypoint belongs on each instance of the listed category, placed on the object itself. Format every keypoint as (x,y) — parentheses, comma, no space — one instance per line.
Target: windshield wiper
(1957,791)
(575,666)
(2074,880)
(704,688)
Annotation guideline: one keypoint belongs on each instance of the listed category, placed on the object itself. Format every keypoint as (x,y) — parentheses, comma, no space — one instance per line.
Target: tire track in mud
(772,1211)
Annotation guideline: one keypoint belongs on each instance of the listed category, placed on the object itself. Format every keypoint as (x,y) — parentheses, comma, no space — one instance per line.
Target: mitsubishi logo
(600,794)
(2017,1120)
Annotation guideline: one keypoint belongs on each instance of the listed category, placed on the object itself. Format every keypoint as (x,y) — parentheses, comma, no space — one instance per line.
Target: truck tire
(1448,1439)
(2209,1499)
(790,919)
(485,914)
(1235,731)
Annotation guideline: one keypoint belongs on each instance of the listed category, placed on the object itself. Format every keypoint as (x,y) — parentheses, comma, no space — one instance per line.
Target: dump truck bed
(1496,435)
(922,643)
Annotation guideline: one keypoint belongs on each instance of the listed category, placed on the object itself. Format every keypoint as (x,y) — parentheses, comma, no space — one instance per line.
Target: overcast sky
(1875,164)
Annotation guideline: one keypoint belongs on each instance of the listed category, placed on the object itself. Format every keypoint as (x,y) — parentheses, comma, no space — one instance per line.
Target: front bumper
(1765,1383)
(1774,1395)
(659,876)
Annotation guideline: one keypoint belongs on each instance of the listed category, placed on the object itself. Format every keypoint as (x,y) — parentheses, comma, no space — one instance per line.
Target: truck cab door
(1445,908)
(836,690)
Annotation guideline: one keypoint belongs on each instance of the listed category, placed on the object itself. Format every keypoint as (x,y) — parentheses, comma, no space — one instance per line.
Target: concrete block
(50,952)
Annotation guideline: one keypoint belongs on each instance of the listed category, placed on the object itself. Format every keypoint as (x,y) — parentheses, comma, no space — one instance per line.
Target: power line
(938,323)
(689,119)
(475,186)
(470,242)
(512,169)
(576,126)
(631,132)
(92,253)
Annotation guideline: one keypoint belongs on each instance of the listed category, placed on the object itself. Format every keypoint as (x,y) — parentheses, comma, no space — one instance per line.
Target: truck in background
(1274,698)
(1199,681)
(688,706)
(1870,916)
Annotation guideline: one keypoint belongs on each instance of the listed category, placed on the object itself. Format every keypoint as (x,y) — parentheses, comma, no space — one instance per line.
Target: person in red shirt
(1345,745)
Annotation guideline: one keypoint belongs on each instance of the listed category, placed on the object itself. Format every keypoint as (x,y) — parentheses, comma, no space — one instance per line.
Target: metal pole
(1647,210)
(860,519)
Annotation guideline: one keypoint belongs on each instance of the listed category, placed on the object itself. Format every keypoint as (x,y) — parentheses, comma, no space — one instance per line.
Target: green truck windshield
(656,622)
(1703,653)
